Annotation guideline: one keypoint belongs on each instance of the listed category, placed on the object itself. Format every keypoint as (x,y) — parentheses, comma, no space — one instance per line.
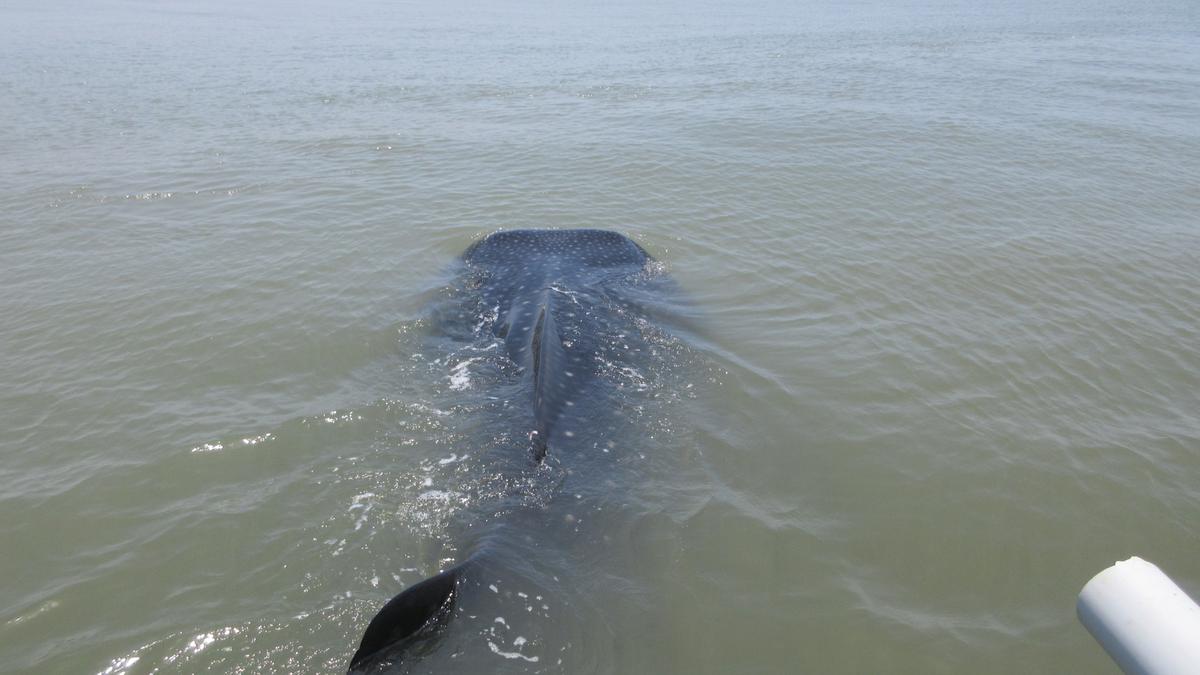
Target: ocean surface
(940,363)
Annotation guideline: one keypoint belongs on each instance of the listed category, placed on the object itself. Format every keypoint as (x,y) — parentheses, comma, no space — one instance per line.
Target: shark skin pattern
(564,310)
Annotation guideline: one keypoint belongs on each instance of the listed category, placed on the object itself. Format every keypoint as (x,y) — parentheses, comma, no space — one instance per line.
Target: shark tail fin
(415,610)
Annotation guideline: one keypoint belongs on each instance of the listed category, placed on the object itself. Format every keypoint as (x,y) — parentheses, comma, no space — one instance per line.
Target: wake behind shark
(563,305)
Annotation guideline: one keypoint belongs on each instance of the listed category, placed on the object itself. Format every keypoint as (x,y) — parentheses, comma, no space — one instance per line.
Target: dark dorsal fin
(548,365)
(415,610)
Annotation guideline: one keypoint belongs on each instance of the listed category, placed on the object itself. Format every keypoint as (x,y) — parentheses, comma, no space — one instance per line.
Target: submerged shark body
(564,310)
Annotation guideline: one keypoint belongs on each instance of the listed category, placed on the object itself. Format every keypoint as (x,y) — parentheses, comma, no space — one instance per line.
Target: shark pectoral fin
(413,611)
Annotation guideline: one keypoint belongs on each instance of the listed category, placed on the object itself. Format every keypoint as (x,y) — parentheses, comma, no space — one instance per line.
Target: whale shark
(565,316)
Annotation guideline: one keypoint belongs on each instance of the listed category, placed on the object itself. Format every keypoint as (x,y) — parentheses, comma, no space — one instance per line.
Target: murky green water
(944,364)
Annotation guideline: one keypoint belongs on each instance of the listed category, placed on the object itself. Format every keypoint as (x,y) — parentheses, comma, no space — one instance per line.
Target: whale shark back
(554,298)
(549,289)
